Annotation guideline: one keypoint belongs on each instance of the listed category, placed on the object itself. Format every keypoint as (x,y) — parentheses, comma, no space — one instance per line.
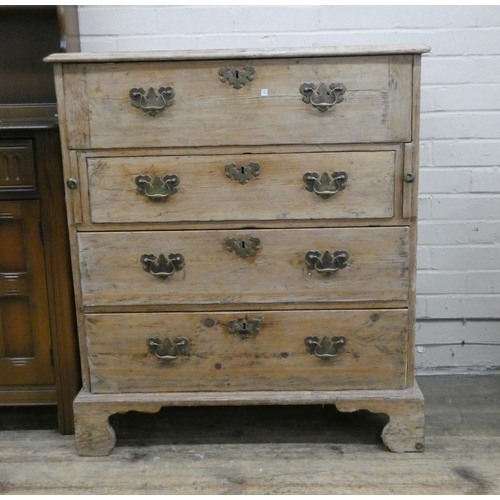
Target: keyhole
(243,244)
(237,73)
(244,325)
(242,168)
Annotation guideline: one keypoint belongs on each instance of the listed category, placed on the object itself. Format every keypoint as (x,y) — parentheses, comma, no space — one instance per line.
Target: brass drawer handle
(166,349)
(322,97)
(325,186)
(244,247)
(242,173)
(157,189)
(244,328)
(327,263)
(151,102)
(161,266)
(325,348)
(236,77)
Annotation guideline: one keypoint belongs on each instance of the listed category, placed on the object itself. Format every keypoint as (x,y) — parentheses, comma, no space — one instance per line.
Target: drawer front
(242,187)
(214,269)
(275,357)
(269,109)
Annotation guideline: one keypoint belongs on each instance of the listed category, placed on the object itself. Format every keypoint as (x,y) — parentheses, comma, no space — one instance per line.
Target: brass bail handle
(167,349)
(161,266)
(322,97)
(326,263)
(152,102)
(325,348)
(157,188)
(324,185)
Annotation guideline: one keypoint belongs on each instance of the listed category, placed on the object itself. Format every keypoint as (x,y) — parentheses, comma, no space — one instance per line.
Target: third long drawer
(244,266)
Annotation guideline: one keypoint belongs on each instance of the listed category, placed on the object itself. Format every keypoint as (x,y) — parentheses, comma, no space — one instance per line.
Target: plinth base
(403,433)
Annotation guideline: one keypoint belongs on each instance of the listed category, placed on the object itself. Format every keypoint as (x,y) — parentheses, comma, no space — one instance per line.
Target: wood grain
(55,336)
(112,274)
(108,142)
(185,55)
(300,450)
(206,193)
(73,212)
(273,359)
(415,159)
(25,340)
(95,437)
(240,116)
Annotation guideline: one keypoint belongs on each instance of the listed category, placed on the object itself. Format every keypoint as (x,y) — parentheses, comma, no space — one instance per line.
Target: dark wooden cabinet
(38,347)
(25,341)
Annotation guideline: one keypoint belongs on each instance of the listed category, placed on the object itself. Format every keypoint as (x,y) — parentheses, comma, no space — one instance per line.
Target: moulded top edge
(179,55)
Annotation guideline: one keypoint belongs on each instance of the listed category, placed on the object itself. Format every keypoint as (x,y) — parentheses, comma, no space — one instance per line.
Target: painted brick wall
(459,233)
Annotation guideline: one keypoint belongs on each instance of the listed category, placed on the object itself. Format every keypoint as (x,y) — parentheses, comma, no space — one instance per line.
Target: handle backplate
(167,349)
(157,189)
(322,96)
(151,102)
(324,185)
(327,263)
(161,266)
(325,348)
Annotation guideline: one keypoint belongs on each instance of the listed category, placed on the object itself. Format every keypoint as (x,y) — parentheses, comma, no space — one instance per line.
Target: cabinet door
(25,344)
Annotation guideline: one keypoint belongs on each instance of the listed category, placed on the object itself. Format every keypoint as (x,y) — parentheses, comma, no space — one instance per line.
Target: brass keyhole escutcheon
(237,77)
(242,173)
(243,247)
(244,327)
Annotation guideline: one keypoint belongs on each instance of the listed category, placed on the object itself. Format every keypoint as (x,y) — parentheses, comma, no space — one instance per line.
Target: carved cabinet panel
(25,342)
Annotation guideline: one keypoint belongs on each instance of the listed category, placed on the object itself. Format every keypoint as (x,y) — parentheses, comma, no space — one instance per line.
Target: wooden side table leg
(94,436)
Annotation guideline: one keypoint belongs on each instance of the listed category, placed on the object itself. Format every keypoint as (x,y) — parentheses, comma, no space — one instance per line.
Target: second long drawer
(199,188)
(244,267)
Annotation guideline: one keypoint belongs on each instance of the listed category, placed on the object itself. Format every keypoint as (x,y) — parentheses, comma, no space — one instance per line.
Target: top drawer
(269,109)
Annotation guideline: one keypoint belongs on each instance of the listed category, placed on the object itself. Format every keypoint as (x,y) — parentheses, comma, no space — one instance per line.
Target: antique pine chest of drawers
(243,230)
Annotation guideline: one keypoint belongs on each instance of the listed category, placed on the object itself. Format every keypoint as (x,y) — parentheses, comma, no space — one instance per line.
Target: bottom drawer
(266,350)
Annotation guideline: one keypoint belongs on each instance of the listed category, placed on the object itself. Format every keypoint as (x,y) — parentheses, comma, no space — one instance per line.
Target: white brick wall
(459,232)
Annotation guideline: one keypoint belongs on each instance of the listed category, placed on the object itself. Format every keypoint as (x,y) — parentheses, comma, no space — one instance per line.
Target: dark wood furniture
(38,348)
